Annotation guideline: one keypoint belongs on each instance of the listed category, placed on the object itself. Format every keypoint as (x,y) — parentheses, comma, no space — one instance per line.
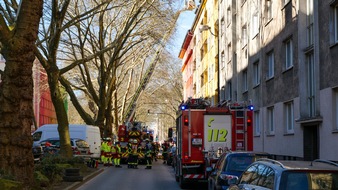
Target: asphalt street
(160,177)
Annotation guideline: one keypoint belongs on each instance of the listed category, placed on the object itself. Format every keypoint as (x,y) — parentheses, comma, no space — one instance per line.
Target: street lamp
(204,28)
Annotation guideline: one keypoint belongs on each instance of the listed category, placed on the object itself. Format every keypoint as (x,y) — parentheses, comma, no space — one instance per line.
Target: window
(288,54)
(267,177)
(286,1)
(270,120)
(335,109)
(256,124)
(268,10)
(311,84)
(255,25)
(244,36)
(211,72)
(245,80)
(259,175)
(310,22)
(289,118)
(229,52)
(222,60)
(256,73)
(204,49)
(222,26)
(271,65)
(228,15)
(229,90)
(335,20)
(223,93)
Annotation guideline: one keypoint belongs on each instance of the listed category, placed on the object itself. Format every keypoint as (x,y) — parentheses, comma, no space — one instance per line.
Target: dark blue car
(229,165)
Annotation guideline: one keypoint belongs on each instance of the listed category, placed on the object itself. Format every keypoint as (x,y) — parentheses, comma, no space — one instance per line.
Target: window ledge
(288,69)
(289,134)
(286,4)
(269,78)
(268,22)
(334,45)
(256,85)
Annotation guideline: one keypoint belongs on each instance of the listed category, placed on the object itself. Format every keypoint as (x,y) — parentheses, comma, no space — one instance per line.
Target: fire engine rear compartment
(190,163)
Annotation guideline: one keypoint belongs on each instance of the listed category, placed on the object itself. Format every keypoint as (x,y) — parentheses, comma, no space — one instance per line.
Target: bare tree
(124,36)
(56,19)
(19,25)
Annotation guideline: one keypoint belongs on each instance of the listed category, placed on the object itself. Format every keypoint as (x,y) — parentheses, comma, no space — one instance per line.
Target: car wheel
(210,185)
(181,182)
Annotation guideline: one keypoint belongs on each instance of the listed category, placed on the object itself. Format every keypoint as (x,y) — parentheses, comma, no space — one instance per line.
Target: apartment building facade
(199,54)
(281,57)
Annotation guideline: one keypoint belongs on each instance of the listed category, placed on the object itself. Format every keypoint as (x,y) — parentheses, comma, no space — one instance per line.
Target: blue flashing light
(250,107)
(183,107)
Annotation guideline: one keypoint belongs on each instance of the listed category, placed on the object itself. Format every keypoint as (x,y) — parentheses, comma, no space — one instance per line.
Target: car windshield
(82,144)
(238,163)
(304,180)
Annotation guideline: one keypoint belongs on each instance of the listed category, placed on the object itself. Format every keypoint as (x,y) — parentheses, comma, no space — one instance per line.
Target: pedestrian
(149,150)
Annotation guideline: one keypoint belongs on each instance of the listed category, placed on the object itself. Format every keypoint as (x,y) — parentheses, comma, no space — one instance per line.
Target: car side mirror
(233,181)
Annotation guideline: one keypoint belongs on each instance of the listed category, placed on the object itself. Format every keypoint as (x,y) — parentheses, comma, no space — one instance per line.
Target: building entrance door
(311,142)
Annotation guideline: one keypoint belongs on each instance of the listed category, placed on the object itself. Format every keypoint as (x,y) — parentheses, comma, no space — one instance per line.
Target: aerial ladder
(129,113)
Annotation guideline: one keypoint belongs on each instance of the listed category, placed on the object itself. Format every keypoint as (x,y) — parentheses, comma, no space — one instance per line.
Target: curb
(85,179)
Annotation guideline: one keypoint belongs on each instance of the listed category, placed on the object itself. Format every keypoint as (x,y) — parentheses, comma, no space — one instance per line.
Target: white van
(89,133)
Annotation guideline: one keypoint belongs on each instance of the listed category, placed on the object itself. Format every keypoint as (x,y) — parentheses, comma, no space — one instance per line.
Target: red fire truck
(204,132)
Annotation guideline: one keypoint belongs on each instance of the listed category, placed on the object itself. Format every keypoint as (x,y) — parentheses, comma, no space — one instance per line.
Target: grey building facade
(282,57)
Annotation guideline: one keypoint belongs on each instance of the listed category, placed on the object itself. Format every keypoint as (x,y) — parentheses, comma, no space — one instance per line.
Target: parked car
(230,165)
(91,134)
(284,175)
(79,146)
(37,153)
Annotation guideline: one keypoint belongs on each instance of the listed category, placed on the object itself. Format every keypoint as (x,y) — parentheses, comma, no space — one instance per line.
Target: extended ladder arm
(145,80)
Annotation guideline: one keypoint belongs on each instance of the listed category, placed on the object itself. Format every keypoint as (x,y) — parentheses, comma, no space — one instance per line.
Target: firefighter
(155,151)
(149,150)
(133,154)
(117,155)
(108,153)
(165,147)
(128,151)
(104,148)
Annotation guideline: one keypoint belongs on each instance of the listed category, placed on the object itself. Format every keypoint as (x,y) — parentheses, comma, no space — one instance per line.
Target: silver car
(288,175)
(80,147)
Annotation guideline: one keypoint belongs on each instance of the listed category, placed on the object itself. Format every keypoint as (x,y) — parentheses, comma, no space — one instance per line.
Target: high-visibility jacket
(113,150)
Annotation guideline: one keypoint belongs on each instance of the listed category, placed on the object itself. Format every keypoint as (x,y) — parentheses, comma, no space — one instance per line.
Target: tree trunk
(109,119)
(61,113)
(16,92)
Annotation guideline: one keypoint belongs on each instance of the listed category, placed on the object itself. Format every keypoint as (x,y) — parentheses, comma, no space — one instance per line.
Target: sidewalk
(91,173)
